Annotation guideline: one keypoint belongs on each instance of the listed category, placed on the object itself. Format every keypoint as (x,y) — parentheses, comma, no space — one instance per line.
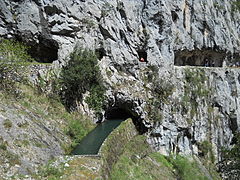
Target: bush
(7,124)
(206,150)
(236,6)
(76,131)
(82,74)
(51,172)
(96,98)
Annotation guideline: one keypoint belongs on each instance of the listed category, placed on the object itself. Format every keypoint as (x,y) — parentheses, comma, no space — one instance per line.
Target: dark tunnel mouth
(142,54)
(122,113)
(46,51)
(118,113)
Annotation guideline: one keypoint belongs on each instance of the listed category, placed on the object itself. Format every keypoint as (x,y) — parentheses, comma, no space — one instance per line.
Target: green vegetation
(76,131)
(106,9)
(13,58)
(218,5)
(82,74)
(236,6)
(196,83)
(231,160)
(3,144)
(81,70)
(12,158)
(154,111)
(51,172)
(96,98)
(206,150)
(13,53)
(186,169)
(136,160)
(162,90)
(89,23)
(73,124)
(7,123)
(139,162)
(114,144)
(195,90)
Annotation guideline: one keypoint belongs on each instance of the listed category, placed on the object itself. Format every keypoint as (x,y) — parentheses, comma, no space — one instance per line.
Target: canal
(92,142)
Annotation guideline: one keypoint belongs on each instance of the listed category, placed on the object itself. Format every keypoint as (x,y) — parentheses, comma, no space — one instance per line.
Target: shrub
(82,74)
(96,98)
(206,150)
(163,89)
(236,6)
(51,172)
(76,131)
(7,124)
(3,147)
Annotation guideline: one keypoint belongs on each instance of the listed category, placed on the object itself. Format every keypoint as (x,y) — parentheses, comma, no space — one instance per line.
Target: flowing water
(91,143)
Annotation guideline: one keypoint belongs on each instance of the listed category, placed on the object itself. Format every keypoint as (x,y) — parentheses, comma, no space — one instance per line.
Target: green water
(91,143)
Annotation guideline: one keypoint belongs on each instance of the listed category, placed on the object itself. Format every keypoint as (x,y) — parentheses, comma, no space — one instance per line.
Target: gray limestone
(165,30)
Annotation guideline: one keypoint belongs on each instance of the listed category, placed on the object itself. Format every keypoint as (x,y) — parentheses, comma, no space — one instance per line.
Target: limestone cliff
(178,108)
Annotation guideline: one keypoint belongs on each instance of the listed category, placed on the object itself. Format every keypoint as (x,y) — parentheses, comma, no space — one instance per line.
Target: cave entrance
(118,113)
(100,52)
(46,51)
(123,113)
(43,51)
(142,56)
(203,58)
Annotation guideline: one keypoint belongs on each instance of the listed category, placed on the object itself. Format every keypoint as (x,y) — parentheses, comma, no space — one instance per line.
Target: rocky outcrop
(180,108)
(158,28)
(31,134)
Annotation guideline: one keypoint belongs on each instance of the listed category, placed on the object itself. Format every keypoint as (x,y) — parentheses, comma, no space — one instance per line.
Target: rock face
(30,136)
(178,107)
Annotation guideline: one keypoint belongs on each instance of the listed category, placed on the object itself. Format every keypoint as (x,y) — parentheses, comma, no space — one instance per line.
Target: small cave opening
(174,16)
(203,58)
(122,113)
(100,52)
(142,56)
(46,51)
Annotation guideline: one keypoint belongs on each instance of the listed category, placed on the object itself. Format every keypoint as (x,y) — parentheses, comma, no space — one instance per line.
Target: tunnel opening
(46,51)
(118,113)
(142,56)
(123,113)
(100,52)
(204,58)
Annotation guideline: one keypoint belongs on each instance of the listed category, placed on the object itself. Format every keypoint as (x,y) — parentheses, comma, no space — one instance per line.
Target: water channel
(92,142)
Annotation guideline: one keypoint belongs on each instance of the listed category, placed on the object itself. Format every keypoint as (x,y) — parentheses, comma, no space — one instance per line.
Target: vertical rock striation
(181,107)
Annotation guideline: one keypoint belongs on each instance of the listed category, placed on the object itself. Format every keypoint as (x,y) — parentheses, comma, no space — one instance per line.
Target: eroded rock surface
(191,105)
